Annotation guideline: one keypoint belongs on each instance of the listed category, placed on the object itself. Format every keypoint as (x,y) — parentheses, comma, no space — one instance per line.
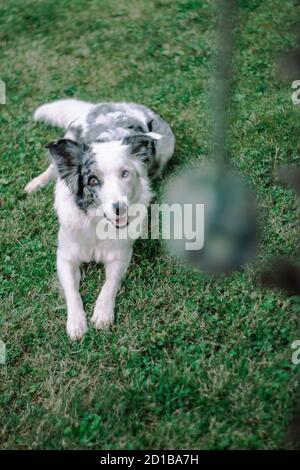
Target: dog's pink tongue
(121,220)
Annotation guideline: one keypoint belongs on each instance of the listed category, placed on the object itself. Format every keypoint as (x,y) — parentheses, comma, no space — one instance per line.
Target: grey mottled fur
(116,123)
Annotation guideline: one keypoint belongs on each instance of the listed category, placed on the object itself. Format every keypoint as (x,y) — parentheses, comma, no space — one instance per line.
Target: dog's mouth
(118,222)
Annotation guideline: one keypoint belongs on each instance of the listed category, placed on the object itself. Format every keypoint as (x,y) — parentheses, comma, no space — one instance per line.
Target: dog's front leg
(69,276)
(103,315)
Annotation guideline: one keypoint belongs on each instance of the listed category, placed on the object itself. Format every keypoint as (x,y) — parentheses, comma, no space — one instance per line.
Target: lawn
(191,362)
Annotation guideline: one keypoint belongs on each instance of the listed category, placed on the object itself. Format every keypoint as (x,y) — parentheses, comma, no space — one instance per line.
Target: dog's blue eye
(125,173)
(93,181)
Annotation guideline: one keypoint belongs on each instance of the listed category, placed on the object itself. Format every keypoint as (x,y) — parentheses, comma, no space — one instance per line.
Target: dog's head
(111,175)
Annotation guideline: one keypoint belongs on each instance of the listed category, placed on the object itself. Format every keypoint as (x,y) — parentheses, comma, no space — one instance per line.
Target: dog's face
(106,175)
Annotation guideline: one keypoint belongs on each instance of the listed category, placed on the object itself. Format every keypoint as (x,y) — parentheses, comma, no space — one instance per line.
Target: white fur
(77,238)
(62,112)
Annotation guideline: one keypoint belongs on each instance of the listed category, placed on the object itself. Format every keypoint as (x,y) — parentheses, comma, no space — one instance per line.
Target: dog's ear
(142,146)
(67,155)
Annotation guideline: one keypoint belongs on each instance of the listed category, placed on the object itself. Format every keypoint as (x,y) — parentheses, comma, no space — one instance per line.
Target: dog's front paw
(103,316)
(33,185)
(76,327)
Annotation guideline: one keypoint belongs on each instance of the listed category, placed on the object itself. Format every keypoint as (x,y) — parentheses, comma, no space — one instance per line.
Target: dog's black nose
(120,208)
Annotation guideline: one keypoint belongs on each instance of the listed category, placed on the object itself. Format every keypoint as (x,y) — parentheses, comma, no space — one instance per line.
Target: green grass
(190,362)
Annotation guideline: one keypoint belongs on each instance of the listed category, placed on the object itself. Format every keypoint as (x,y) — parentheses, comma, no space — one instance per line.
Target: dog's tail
(62,113)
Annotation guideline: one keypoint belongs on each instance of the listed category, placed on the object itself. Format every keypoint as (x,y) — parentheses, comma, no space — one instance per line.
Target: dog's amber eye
(93,181)
(124,173)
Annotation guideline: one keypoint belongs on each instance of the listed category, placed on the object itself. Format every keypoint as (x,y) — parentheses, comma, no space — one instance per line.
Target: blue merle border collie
(106,159)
